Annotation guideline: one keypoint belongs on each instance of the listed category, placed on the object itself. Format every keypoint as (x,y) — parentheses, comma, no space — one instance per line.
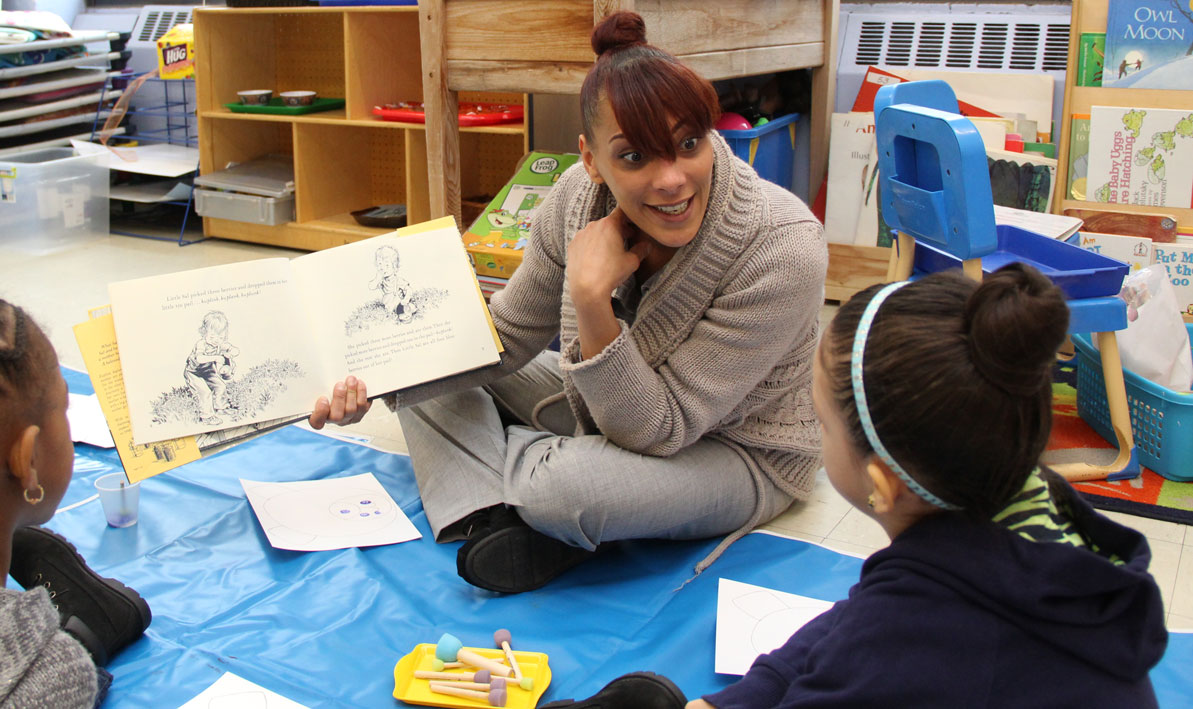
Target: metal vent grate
(155,23)
(969,44)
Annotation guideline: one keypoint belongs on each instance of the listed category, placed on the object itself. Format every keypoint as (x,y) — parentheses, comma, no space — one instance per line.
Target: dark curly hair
(958,379)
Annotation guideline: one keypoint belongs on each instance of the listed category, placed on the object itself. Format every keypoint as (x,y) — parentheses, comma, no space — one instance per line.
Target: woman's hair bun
(618,31)
(1016,321)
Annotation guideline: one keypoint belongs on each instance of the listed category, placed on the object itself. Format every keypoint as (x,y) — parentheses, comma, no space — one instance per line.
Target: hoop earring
(41,495)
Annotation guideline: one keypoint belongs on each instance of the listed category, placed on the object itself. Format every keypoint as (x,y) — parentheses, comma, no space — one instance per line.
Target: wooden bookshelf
(1090,16)
(345,159)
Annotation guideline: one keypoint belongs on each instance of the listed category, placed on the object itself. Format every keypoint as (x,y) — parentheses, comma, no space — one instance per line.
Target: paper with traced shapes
(336,513)
(753,620)
(235,692)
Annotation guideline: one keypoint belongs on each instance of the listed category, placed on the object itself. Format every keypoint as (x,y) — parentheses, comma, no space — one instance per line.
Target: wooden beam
(441,106)
(756,60)
(523,77)
(824,81)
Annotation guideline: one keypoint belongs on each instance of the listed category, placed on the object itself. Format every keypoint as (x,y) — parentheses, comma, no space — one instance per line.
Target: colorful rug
(1149,495)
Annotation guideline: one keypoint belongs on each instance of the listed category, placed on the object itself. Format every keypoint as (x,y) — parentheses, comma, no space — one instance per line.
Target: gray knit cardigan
(40,665)
(722,344)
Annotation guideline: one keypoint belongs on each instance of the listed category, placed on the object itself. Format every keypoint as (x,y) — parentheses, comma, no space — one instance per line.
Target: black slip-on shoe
(102,613)
(508,556)
(637,690)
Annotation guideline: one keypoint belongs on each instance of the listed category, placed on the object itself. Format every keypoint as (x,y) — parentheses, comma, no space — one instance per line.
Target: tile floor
(57,289)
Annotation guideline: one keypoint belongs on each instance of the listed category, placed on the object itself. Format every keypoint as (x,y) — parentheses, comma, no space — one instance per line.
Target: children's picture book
(1178,259)
(851,206)
(1135,251)
(1078,156)
(97,343)
(1141,156)
(1021,180)
(1148,44)
(1090,55)
(249,342)
(496,239)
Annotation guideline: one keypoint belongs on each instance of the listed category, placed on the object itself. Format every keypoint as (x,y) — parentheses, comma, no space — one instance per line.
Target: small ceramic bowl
(255,97)
(298,98)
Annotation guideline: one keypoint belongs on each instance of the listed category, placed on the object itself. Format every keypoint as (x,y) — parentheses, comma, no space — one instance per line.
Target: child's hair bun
(1016,321)
(618,31)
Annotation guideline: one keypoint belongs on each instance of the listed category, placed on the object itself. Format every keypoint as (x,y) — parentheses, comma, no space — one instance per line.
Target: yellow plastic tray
(418,691)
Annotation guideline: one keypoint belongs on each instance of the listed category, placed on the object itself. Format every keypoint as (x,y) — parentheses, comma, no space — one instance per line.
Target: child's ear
(588,159)
(887,485)
(20,457)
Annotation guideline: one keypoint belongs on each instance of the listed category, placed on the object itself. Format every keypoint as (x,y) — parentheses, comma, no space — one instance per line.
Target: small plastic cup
(120,499)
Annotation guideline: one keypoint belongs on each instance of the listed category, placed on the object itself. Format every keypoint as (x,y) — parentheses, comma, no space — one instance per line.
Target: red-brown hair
(647,88)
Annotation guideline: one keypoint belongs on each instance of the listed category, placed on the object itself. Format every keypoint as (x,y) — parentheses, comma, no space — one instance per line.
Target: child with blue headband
(1001,586)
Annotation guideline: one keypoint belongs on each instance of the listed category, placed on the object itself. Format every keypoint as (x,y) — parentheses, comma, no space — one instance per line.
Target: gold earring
(41,495)
(870,501)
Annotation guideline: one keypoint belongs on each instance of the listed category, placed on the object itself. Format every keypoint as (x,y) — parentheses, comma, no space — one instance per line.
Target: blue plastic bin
(769,148)
(1161,419)
(1077,272)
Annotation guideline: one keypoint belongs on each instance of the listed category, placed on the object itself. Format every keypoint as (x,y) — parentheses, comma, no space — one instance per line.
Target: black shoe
(637,690)
(102,613)
(507,556)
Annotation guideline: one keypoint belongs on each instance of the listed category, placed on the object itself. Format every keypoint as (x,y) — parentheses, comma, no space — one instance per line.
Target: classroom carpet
(1149,495)
(326,628)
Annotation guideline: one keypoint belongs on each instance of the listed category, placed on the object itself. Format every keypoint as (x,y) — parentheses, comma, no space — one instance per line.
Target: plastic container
(239,207)
(1077,272)
(265,176)
(52,199)
(1161,419)
(470,114)
(769,148)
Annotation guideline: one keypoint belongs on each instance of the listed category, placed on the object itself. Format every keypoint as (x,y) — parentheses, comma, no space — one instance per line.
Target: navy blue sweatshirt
(961,613)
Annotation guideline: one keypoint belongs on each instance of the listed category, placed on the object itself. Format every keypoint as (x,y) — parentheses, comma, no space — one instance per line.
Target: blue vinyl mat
(326,628)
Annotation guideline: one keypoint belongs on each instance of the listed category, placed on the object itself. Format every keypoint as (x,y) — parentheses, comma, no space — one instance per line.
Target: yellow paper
(97,342)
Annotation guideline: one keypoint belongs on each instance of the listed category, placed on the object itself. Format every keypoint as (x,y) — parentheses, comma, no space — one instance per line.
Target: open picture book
(244,343)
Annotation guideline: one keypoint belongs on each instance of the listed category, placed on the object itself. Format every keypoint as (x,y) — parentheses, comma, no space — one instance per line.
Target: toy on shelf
(448,674)
(470,113)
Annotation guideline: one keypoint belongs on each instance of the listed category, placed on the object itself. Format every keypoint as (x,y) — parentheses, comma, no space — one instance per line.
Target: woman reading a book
(685,292)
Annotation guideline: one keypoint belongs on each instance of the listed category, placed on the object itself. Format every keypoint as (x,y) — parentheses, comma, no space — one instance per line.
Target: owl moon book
(243,343)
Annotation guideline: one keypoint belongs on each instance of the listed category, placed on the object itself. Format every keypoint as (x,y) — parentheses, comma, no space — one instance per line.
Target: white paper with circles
(337,513)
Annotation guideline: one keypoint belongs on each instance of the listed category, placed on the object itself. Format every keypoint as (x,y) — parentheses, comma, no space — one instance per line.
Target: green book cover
(1090,57)
(1078,157)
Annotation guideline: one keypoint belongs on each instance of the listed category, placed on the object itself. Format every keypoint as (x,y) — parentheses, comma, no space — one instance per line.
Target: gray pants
(583,490)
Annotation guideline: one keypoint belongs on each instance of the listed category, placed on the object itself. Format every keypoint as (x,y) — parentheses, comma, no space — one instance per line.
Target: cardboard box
(495,240)
(176,53)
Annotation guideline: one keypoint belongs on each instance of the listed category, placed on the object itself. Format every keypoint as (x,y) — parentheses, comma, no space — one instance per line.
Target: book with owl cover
(242,343)
(1149,45)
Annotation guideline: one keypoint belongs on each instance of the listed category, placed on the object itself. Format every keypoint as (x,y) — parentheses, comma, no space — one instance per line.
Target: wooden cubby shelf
(344,159)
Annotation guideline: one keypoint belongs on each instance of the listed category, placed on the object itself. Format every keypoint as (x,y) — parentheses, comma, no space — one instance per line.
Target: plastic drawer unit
(259,191)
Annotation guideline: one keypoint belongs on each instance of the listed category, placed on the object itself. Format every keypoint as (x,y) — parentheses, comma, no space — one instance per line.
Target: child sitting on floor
(41,665)
(1001,586)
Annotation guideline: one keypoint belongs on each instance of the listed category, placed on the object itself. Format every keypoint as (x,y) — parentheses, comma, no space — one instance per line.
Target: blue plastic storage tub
(1161,419)
(769,148)
(1079,273)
